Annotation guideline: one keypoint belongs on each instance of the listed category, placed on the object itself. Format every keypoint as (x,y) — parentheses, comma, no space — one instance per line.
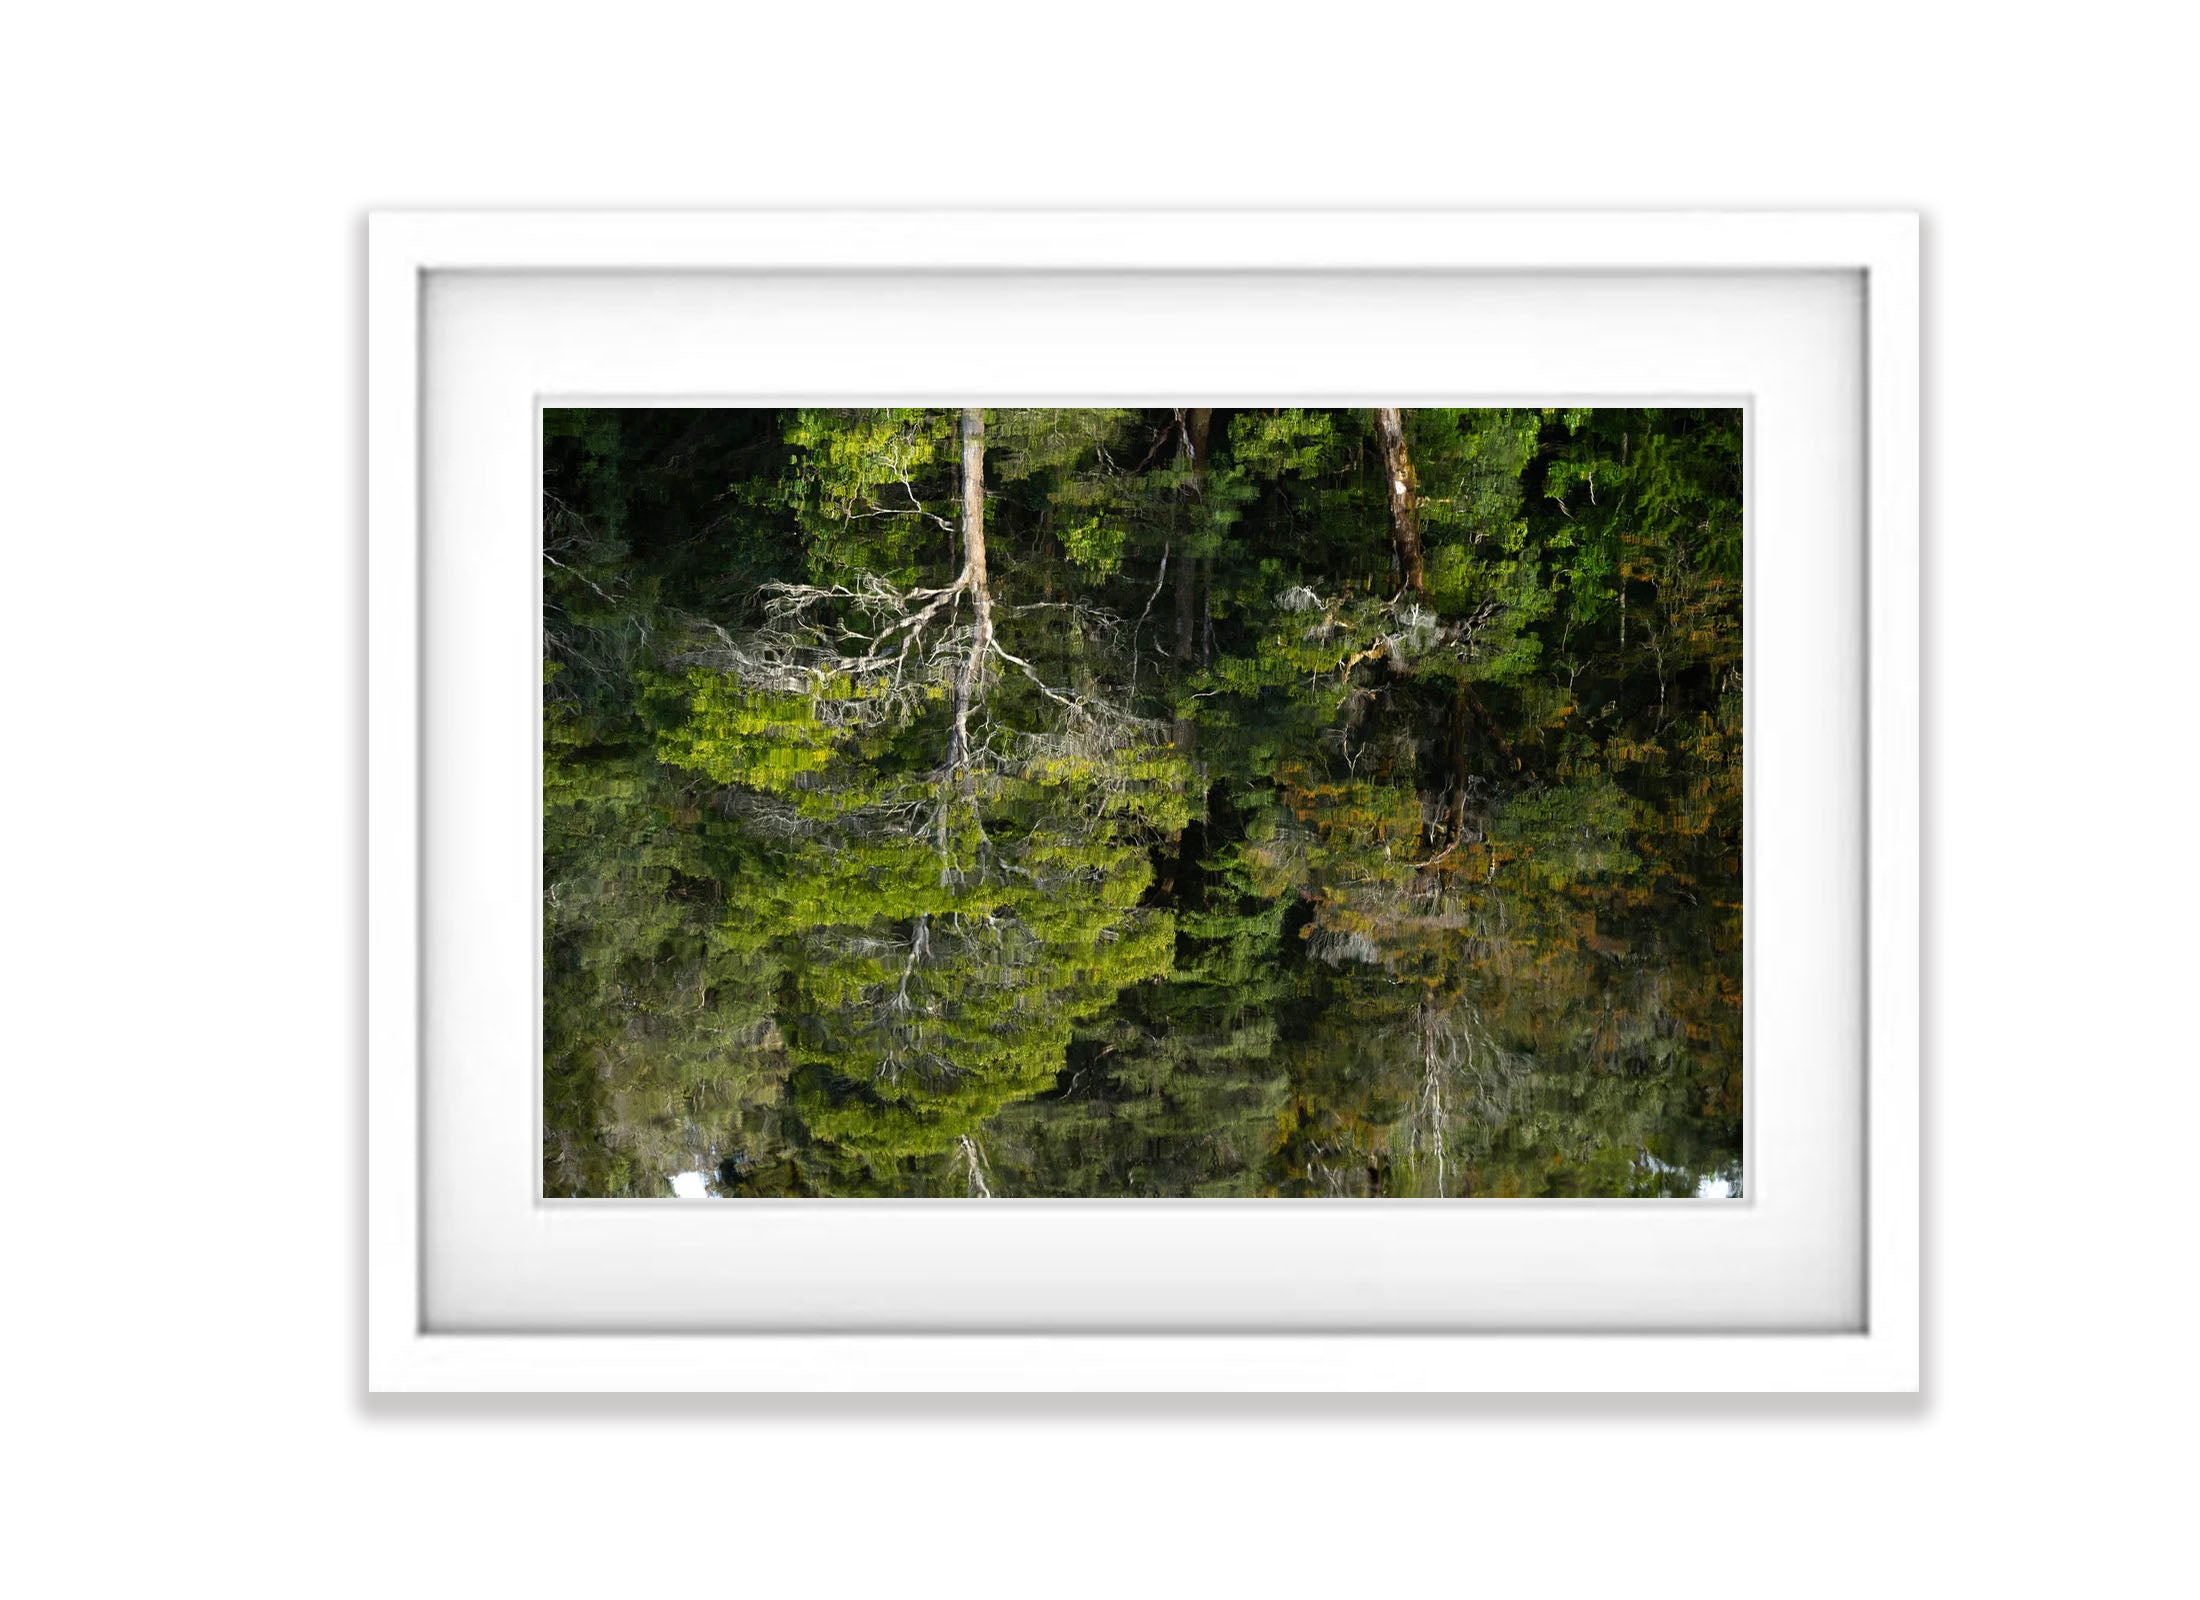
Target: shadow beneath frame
(1042,1409)
(1137,1410)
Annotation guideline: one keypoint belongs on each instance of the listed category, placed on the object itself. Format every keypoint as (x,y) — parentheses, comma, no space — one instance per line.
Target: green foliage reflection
(1143,802)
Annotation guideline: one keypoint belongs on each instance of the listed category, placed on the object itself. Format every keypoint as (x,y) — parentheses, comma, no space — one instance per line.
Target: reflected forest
(1159,802)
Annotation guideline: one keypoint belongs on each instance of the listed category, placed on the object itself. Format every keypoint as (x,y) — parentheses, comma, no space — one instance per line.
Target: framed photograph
(1143,801)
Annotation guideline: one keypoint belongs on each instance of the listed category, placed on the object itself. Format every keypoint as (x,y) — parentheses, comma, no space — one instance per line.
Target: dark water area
(1166,802)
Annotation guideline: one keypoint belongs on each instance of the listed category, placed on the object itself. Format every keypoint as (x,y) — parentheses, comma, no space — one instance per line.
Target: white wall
(178,606)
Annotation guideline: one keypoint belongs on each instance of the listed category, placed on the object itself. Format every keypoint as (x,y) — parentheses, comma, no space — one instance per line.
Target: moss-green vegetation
(1167,837)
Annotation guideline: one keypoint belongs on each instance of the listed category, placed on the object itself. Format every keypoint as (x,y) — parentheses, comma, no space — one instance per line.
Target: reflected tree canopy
(1143,802)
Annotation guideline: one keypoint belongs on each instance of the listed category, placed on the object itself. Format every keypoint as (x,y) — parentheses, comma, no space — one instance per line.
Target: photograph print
(1161,802)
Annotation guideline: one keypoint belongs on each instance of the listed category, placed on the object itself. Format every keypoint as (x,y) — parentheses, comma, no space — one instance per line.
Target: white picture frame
(410,1239)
